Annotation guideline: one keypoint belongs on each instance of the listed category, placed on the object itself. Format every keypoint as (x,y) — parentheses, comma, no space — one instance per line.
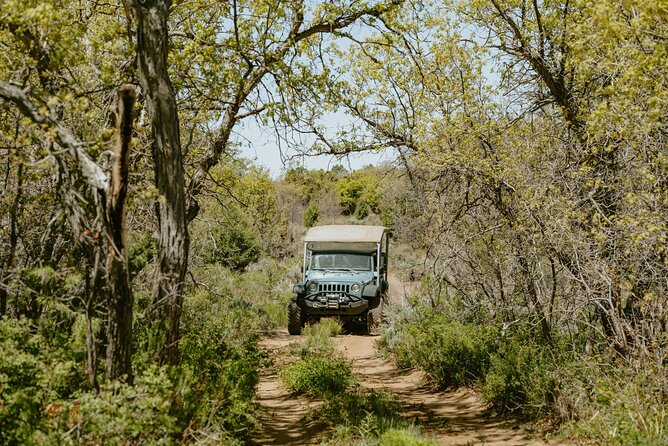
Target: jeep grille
(333,288)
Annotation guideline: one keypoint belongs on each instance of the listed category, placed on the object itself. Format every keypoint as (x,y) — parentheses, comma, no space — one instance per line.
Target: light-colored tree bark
(102,232)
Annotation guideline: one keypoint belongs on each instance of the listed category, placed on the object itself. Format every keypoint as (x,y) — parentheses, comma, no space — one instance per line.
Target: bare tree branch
(92,173)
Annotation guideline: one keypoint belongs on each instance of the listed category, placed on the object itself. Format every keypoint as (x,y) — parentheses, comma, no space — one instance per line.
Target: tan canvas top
(345,237)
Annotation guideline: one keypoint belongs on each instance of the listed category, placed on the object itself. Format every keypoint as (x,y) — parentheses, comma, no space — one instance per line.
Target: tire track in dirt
(453,418)
(281,414)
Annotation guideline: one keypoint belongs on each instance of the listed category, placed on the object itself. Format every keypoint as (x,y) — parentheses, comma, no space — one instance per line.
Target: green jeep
(344,275)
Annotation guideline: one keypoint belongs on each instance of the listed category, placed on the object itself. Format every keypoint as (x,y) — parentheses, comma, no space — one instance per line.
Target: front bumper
(335,303)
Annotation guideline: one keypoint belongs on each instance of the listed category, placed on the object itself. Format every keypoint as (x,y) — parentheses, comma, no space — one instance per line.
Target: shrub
(326,327)
(358,195)
(617,405)
(317,337)
(366,417)
(126,414)
(233,243)
(317,376)
(311,215)
(451,353)
(353,409)
(520,378)
(219,346)
(21,392)
(404,437)
(253,301)
(32,379)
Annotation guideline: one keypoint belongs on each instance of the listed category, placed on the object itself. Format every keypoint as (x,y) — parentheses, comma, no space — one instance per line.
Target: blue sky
(259,144)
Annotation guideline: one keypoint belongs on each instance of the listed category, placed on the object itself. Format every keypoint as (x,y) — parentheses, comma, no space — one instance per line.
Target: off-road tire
(374,315)
(295,319)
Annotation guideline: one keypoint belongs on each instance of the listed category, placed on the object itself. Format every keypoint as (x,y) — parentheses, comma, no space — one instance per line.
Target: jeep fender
(370,291)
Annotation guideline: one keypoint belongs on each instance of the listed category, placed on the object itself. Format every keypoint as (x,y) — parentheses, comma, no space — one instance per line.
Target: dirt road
(453,418)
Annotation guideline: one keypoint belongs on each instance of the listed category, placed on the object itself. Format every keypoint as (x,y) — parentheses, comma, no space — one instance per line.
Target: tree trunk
(13,240)
(91,345)
(152,49)
(119,321)
(98,229)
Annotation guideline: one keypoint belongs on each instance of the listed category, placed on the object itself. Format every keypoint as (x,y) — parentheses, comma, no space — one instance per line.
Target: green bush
(404,437)
(219,346)
(122,414)
(520,378)
(254,301)
(326,327)
(22,395)
(234,243)
(451,353)
(366,417)
(33,377)
(317,337)
(353,409)
(616,405)
(358,194)
(317,376)
(311,215)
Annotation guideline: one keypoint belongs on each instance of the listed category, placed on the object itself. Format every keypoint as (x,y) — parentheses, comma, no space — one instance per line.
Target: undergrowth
(597,399)
(208,398)
(356,416)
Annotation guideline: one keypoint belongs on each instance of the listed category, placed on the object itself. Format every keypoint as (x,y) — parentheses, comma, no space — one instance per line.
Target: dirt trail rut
(453,417)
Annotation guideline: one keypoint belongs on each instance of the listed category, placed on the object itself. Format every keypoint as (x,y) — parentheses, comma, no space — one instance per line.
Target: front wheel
(374,315)
(295,319)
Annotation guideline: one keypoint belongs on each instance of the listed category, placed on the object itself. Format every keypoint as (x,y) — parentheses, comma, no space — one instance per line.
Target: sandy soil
(453,418)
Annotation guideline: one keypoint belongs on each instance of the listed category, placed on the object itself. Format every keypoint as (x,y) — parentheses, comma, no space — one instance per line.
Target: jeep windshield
(342,262)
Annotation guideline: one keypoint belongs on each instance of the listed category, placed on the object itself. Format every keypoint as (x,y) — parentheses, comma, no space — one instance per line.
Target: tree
(261,40)
(50,84)
(530,182)
(103,239)
(173,243)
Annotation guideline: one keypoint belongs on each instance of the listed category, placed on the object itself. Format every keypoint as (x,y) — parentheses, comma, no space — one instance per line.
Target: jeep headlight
(355,288)
(313,287)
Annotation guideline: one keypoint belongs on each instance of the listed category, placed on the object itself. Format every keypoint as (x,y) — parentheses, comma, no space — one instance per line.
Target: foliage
(141,252)
(22,392)
(521,378)
(235,245)
(319,333)
(320,371)
(251,302)
(228,375)
(404,437)
(317,375)
(311,215)
(451,353)
(145,412)
(366,417)
(240,225)
(34,376)
(221,325)
(532,182)
(616,406)
(353,408)
(359,195)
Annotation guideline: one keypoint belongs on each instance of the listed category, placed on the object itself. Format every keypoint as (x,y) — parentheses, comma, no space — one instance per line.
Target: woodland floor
(453,417)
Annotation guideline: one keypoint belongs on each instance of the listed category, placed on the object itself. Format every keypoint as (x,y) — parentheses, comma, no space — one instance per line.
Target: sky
(259,145)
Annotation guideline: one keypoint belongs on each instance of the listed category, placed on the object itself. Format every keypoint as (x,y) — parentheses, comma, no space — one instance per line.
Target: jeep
(344,275)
